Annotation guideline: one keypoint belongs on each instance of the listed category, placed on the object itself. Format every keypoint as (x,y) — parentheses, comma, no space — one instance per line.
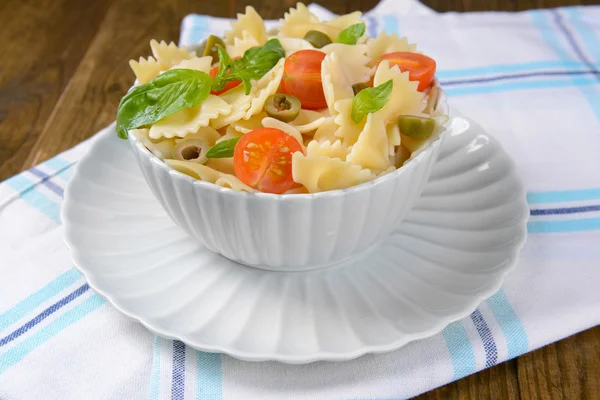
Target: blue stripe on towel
(491,353)
(29,194)
(565,210)
(591,94)
(17,353)
(200,28)
(460,349)
(57,163)
(46,181)
(563,226)
(178,380)
(390,24)
(517,341)
(586,34)
(559,196)
(513,68)
(30,303)
(487,79)
(155,373)
(44,314)
(209,376)
(521,85)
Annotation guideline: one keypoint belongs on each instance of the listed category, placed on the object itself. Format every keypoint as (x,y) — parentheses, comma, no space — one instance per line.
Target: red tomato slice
(262,159)
(302,78)
(228,85)
(420,67)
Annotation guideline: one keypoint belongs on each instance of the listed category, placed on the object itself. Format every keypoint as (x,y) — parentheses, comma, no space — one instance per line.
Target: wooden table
(64,69)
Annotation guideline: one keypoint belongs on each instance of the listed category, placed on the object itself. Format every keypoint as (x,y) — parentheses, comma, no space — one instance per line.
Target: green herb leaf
(370,100)
(222,149)
(164,95)
(351,34)
(255,63)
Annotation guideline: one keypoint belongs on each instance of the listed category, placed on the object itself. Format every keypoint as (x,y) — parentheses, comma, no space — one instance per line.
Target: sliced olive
(416,127)
(357,87)
(317,39)
(283,107)
(193,150)
(432,100)
(210,47)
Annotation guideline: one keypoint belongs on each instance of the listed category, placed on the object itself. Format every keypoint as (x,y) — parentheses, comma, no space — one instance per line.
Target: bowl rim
(410,164)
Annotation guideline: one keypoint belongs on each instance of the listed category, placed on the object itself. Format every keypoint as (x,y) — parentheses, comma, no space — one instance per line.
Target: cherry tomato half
(228,85)
(262,159)
(420,67)
(302,78)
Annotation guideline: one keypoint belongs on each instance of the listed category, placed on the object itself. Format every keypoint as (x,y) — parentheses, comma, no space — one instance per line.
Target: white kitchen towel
(532,79)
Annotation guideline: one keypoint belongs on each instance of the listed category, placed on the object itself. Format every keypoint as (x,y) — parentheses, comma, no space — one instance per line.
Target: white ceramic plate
(453,251)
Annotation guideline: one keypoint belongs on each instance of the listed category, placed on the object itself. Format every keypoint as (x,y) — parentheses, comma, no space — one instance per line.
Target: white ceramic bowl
(289,232)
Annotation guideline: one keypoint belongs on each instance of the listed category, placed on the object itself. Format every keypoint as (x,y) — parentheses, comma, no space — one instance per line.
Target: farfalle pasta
(307,107)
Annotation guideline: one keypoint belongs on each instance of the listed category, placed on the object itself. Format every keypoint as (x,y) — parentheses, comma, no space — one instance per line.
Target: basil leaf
(222,149)
(164,95)
(225,63)
(370,100)
(351,34)
(255,63)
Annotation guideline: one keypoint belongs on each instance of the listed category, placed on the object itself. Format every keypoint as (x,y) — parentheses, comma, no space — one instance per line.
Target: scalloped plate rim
(319,356)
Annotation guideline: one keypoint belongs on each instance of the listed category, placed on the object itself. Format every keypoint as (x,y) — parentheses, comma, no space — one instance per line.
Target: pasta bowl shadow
(290,232)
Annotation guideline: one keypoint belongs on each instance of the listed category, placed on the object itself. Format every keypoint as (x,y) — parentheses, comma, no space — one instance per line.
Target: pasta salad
(308,107)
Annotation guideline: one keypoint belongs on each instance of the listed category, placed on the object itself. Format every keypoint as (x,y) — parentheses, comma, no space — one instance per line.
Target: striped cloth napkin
(531,78)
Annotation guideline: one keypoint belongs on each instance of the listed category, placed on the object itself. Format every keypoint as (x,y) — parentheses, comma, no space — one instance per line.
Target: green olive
(283,107)
(209,47)
(357,87)
(317,39)
(193,150)
(419,128)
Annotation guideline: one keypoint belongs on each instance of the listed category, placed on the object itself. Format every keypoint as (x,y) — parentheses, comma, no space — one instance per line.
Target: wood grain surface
(64,68)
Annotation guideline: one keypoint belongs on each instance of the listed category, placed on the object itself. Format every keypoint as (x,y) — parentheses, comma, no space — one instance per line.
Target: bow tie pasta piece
(336,85)
(207,174)
(160,148)
(371,149)
(240,45)
(296,20)
(169,54)
(249,22)
(190,120)
(145,69)
(344,21)
(321,173)
(246,105)
(326,132)
(309,120)
(239,102)
(197,63)
(206,134)
(224,165)
(347,129)
(244,126)
(327,149)
(384,44)
(287,128)
(353,60)
(266,86)
(292,45)
(404,99)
